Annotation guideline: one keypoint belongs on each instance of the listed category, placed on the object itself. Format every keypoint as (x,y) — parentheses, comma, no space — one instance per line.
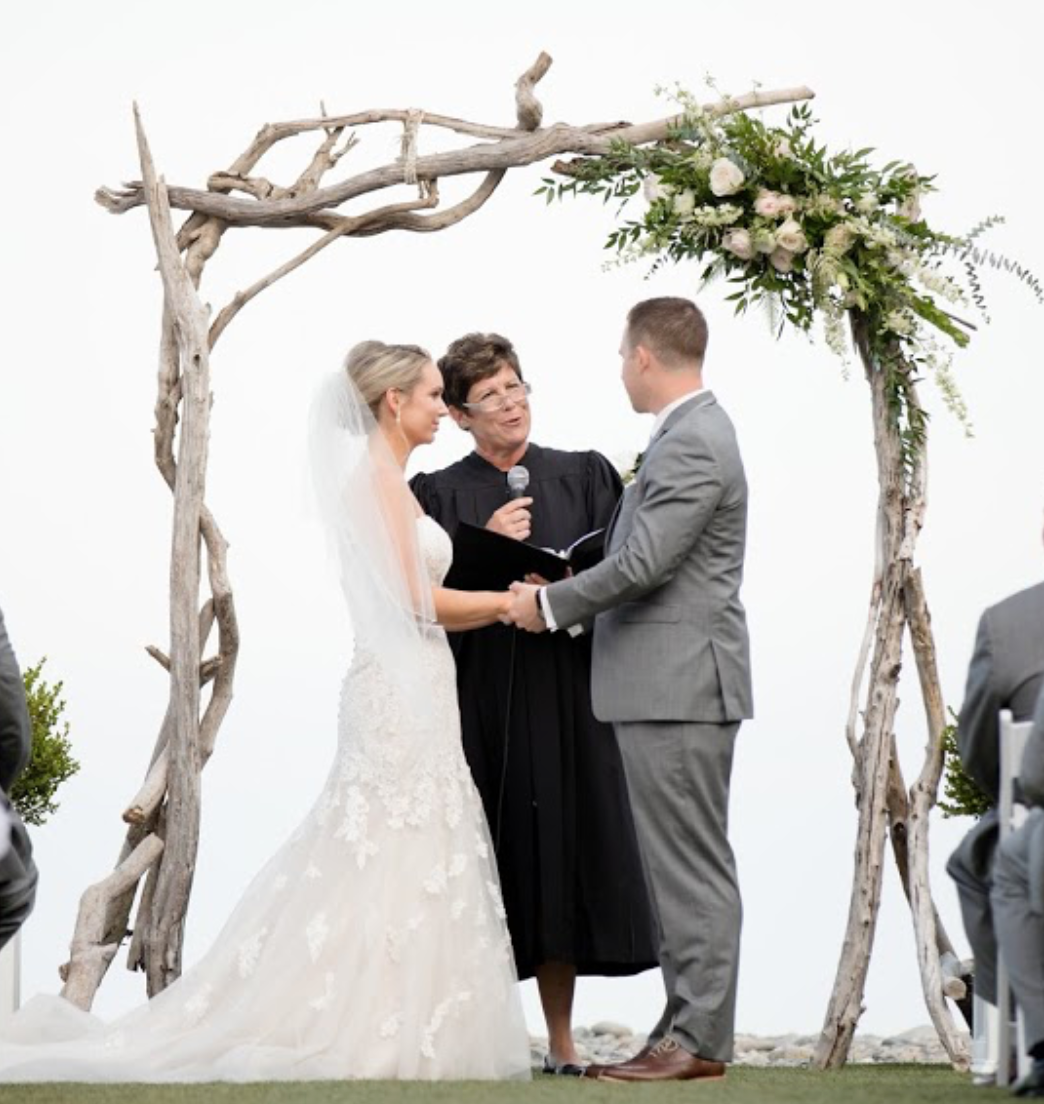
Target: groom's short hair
(674,329)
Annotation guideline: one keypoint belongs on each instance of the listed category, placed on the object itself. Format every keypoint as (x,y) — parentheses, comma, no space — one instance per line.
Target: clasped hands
(523,611)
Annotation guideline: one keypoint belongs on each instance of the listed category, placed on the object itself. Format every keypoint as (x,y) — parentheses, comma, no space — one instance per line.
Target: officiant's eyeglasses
(515,392)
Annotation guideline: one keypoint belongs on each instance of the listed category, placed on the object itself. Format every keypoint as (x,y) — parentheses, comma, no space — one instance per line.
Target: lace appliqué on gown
(372,945)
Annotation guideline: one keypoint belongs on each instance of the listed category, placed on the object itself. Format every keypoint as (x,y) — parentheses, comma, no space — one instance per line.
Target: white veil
(370,517)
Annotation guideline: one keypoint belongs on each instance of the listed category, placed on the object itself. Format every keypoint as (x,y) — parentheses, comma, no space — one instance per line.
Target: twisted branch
(507,153)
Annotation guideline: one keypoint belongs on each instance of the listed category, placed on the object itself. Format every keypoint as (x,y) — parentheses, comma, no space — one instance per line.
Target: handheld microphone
(517,481)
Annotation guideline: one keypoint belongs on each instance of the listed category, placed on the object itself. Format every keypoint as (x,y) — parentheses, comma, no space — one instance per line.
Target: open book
(484,560)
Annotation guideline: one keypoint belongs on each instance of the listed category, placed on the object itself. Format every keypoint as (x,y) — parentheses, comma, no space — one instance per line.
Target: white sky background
(83,559)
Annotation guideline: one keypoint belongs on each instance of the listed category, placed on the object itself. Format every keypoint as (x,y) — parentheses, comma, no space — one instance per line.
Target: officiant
(549,773)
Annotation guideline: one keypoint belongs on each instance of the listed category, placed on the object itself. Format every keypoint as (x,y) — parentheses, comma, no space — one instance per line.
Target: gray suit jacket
(1006,672)
(18,874)
(15,731)
(670,634)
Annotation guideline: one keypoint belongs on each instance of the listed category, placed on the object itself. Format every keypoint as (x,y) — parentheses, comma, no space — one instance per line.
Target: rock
(607,1027)
(790,1055)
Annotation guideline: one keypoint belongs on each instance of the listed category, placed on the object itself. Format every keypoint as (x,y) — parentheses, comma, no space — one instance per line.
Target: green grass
(884,1084)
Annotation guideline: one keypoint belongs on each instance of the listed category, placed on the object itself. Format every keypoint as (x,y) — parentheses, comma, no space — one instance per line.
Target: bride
(373,943)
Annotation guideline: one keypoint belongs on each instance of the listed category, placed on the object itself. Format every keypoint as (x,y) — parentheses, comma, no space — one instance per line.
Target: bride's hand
(513,519)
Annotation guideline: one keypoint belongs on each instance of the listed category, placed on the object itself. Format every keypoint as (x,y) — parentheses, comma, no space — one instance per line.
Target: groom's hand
(525,612)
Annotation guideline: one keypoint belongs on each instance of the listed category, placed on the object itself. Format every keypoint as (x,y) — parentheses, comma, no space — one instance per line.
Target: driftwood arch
(163,817)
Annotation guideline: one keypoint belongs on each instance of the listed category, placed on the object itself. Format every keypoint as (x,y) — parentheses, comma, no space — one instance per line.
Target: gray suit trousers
(1020,927)
(18,877)
(678,781)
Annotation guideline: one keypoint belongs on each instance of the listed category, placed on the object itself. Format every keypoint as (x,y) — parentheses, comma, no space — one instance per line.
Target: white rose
(684,203)
(767,203)
(839,239)
(786,204)
(726,178)
(791,237)
(782,260)
(653,189)
(739,243)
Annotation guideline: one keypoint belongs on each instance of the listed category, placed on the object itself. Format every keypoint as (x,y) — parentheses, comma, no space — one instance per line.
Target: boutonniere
(631,473)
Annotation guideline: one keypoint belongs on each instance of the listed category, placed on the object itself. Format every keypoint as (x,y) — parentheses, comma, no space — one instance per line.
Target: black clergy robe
(550,775)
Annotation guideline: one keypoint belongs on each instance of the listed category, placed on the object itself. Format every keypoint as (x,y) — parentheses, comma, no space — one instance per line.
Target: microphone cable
(518,482)
(507,742)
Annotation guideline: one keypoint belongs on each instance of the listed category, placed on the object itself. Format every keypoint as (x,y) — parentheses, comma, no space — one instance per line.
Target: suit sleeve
(977,726)
(15,729)
(680,485)
(1031,774)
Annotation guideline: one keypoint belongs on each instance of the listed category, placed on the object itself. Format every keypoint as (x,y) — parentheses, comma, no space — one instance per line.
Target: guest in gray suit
(671,670)
(17,869)
(1017,898)
(1006,672)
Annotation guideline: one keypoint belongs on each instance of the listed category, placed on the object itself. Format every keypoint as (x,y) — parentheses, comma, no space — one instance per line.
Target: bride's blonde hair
(375,368)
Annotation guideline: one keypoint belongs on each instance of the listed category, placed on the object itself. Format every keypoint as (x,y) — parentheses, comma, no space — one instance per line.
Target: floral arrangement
(804,233)
(628,467)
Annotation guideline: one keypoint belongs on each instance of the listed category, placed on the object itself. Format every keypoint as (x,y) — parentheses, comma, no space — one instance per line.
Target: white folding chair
(1010,1032)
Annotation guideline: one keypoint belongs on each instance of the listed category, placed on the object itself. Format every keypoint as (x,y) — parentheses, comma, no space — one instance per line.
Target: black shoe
(1033,1083)
(566,1069)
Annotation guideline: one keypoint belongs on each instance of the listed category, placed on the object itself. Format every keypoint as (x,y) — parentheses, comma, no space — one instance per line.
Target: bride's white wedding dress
(372,945)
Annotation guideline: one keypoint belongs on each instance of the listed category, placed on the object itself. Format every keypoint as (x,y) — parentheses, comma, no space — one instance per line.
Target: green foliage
(961,794)
(51,761)
(806,233)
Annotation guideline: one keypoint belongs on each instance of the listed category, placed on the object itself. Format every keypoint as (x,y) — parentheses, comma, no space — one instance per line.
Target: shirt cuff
(545,609)
(549,618)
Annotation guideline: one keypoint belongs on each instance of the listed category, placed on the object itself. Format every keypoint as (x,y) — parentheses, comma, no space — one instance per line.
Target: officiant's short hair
(674,329)
(471,359)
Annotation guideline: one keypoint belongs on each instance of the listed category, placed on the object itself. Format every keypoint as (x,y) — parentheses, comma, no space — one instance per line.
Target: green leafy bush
(51,761)
(961,794)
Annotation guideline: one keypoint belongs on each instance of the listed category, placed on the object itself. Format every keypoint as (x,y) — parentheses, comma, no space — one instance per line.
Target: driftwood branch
(930,939)
(528,108)
(163,940)
(397,216)
(881,795)
(346,226)
(507,153)
(90,954)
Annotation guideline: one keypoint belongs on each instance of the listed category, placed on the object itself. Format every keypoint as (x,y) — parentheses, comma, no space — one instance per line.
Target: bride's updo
(375,368)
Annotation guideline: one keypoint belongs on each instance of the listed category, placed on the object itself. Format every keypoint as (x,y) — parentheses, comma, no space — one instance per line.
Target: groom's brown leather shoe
(594,1071)
(667,1061)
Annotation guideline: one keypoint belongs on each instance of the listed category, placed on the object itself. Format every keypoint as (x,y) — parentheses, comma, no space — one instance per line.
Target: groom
(671,670)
